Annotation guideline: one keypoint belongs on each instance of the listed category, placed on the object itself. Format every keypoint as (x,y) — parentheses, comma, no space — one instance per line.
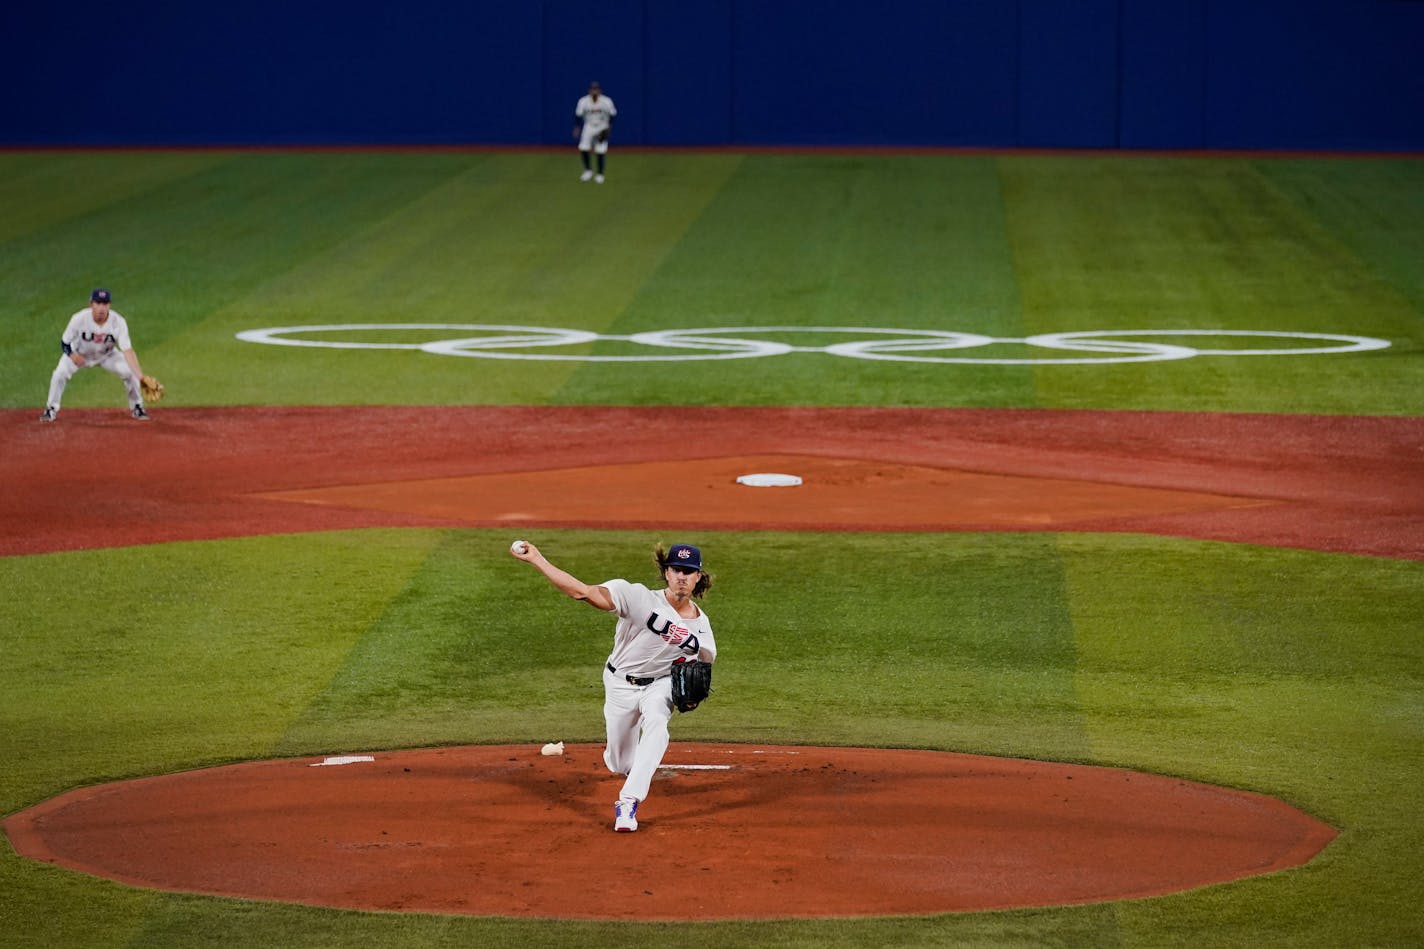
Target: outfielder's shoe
(625,815)
(139,414)
(48,414)
(598,179)
(585,176)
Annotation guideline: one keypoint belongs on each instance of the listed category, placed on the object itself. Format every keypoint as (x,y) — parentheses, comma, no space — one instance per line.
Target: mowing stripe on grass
(901,241)
(141,660)
(509,240)
(1197,244)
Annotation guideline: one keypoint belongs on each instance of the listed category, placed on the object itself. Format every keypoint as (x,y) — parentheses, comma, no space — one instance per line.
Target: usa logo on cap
(685,555)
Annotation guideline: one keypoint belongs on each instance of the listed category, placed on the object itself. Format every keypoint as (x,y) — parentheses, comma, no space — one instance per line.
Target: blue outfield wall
(1169,74)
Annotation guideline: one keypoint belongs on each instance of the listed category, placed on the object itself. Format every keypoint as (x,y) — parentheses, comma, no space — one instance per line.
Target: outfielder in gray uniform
(96,336)
(656,629)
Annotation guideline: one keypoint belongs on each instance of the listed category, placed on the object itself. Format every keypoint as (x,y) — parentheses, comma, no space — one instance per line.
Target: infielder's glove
(603,136)
(152,389)
(691,684)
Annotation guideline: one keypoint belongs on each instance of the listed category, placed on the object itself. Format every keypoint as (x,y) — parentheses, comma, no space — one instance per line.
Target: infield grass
(1291,673)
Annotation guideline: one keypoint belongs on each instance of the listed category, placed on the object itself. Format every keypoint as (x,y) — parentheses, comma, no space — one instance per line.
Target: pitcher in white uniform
(656,628)
(96,336)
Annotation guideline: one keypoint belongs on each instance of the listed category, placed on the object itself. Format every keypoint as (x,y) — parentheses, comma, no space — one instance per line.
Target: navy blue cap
(99,296)
(683,555)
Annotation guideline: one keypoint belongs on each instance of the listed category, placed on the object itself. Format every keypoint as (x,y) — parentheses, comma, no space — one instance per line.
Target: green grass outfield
(1293,673)
(198,246)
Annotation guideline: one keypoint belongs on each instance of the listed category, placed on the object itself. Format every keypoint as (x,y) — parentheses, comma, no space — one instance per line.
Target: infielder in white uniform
(656,628)
(593,124)
(96,336)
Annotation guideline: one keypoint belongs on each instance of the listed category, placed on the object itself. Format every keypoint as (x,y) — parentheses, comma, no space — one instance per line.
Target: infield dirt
(805,831)
(733,831)
(1334,483)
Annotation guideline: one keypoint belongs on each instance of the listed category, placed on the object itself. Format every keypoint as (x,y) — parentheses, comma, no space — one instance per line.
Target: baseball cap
(683,555)
(99,296)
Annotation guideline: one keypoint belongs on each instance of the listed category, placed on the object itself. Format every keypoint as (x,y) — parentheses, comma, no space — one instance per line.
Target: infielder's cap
(99,296)
(684,555)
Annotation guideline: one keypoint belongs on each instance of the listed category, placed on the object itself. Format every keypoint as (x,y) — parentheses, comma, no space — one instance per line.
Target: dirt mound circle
(729,831)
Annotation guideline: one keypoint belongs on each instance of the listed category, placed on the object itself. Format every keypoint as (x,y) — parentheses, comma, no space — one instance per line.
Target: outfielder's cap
(684,555)
(99,296)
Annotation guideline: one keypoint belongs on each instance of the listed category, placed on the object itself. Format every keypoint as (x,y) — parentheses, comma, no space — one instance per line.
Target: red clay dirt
(1335,483)
(729,832)
(505,831)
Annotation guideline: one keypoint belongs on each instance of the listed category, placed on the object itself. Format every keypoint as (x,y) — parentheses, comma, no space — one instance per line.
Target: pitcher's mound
(729,831)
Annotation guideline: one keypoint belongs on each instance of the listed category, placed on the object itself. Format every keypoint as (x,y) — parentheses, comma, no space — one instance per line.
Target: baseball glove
(691,684)
(152,389)
(603,136)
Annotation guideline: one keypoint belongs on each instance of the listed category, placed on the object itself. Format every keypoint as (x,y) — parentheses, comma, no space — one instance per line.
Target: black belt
(634,680)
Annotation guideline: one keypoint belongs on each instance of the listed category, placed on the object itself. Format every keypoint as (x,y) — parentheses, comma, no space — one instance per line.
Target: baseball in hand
(519,547)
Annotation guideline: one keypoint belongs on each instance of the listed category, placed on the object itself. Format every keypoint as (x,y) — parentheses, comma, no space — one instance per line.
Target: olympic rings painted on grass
(501,341)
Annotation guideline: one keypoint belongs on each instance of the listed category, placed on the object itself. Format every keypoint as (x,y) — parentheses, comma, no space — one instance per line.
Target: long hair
(704,582)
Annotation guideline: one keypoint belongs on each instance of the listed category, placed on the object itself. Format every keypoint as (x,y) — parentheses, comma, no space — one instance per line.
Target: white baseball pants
(588,142)
(637,719)
(114,362)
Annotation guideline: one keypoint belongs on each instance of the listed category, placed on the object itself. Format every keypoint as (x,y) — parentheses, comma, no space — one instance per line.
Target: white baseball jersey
(643,615)
(596,116)
(94,342)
